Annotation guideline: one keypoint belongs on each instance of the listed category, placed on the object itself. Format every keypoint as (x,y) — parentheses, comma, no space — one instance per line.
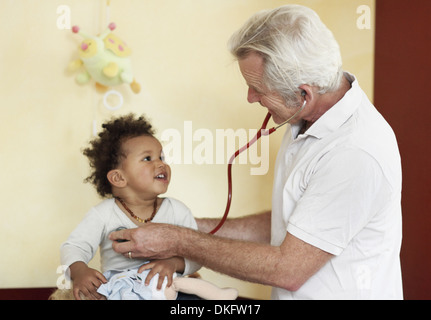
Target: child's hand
(86,281)
(165,268)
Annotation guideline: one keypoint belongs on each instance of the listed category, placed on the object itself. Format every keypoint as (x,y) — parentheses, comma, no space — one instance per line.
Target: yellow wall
(186,74)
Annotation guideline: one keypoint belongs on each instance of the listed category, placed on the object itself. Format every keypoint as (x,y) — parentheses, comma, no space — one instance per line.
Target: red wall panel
(402,94)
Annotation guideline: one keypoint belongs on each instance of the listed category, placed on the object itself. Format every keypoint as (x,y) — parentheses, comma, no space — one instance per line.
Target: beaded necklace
(135,216)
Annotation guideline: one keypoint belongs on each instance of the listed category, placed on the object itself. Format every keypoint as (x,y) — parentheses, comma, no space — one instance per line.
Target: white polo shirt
(338,188)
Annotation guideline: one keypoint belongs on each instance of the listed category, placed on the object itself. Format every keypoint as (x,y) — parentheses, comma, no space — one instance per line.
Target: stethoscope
(262,132)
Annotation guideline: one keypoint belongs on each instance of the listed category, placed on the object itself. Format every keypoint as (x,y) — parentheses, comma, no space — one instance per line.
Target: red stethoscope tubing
(262,131)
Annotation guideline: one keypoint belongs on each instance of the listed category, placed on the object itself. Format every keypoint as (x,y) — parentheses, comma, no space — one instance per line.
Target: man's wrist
(186,239)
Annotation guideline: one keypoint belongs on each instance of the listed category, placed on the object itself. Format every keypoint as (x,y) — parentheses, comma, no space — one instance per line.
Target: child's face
(144,167)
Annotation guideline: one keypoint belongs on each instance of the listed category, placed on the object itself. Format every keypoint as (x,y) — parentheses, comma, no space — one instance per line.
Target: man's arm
(256,228)
(287,266)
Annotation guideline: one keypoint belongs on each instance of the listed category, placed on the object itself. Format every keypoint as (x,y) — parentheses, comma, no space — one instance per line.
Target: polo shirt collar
(340,112)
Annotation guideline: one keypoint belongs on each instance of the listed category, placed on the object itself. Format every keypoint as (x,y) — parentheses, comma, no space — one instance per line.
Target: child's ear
(116,178)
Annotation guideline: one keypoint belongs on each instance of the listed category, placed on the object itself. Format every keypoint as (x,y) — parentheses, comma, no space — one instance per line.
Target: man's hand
(152,241)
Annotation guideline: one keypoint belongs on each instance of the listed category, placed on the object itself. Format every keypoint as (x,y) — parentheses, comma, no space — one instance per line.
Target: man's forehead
(252,68)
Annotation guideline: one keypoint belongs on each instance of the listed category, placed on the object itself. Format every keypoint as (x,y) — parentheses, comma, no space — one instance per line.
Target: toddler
(128,170)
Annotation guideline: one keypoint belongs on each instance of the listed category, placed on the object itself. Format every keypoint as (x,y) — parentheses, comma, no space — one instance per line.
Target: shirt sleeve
(84,240)
(346,190)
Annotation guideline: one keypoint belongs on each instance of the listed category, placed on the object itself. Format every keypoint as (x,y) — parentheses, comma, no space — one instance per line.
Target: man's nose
(253,96)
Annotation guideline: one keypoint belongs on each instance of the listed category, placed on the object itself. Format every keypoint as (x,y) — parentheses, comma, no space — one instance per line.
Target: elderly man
(334,231)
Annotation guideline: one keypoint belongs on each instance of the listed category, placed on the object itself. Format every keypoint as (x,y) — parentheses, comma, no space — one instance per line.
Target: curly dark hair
(104,152)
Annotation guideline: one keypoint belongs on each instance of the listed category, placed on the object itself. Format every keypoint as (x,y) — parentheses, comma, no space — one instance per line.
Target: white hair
(297,49)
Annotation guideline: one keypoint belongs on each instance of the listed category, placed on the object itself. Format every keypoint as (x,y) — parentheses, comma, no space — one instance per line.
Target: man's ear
(307,92)
(116,178)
